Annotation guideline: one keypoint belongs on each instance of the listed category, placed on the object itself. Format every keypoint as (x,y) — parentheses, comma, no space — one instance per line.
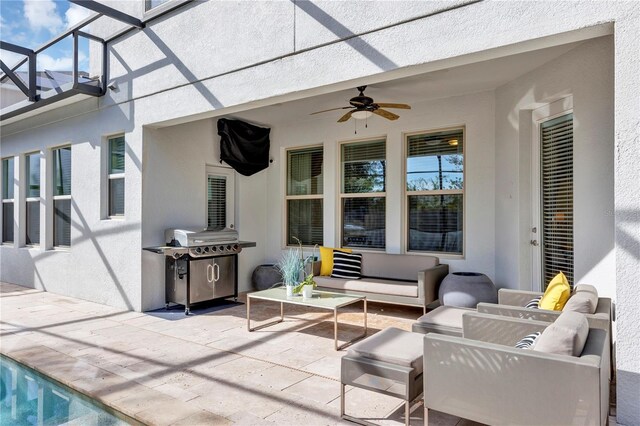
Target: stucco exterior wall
(586,73)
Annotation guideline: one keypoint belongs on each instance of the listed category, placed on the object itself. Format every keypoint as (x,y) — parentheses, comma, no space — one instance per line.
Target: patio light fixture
(361,115)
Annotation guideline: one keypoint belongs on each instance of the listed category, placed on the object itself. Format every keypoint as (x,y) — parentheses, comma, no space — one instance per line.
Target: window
(32,202)
(304,196)
(7,200)
(150,4)
(362,194)
(62,197)
(116,176)
(435,191)
(220,197)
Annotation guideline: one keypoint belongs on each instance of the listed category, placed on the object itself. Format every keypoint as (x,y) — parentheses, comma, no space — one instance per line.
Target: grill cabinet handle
(210,273)
(216,272)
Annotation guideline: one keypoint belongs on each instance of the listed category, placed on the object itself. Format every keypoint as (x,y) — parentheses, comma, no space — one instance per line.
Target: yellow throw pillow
(556,295)
(326,256)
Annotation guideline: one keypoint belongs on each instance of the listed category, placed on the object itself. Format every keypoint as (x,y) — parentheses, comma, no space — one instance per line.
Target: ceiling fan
(363,107)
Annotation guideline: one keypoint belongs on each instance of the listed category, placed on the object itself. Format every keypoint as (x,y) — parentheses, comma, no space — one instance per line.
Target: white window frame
(407,193)
(7,200)
(230,177)
(114,176)
(342,195)
(287,197)
(28,200)
(54,197)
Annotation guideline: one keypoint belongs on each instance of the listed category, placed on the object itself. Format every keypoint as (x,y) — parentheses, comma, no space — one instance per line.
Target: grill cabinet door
(225,276)
(201,276)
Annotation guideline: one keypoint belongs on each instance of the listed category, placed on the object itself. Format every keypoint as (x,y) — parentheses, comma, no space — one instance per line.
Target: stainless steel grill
(200,264)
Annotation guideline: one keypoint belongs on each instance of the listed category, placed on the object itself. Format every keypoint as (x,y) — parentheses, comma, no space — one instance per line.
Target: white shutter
(557,197)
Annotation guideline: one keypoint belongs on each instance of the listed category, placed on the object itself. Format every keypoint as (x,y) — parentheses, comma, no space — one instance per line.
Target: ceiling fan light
(361,115)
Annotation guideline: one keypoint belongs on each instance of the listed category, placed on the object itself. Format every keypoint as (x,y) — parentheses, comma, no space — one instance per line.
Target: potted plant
(290,266)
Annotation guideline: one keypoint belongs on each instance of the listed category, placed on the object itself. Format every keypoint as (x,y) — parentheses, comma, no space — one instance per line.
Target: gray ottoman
(389,362)
(466,290)
(265,276)
(442,320)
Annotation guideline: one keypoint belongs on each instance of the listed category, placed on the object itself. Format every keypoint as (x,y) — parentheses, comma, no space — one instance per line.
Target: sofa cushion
(326,256)
(557,294)
(585,288)
(394,346)
(584,302)
(370,285)
(346,265)
(566,336)
(445,316)
(396,266)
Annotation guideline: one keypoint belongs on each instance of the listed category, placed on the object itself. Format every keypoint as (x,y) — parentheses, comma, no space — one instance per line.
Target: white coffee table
(321,299)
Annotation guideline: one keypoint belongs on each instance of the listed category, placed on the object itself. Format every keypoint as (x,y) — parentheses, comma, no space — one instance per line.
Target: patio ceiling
(449,82)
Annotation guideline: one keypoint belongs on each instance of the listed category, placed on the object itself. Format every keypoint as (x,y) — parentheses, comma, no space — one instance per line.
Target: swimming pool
(30,398)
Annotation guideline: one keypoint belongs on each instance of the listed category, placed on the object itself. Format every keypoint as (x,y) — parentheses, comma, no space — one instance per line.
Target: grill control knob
(235,247)
(205,249)
(199,250)
(228,248)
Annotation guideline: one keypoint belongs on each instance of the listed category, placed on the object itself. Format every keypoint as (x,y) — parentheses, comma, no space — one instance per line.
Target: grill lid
(187,237)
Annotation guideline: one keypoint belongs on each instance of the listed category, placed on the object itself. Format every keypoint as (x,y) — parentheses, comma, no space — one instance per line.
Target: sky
(31,23)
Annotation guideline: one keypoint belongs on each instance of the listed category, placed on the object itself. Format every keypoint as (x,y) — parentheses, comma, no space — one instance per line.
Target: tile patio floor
(201,369)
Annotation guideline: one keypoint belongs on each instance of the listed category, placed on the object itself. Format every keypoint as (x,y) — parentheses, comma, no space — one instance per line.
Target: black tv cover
(243,146)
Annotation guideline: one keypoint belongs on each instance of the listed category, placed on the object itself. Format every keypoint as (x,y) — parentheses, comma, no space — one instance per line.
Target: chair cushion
(445,316)
(370,285)
(326,256)
(346,265)
(394,346)
(584,302)
(557,294)
(396,266)
(566,336)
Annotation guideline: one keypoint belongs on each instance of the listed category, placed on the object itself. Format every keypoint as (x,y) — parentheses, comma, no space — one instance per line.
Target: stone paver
(202,369)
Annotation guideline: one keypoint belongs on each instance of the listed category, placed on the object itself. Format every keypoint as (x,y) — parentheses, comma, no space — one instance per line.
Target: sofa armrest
(500,330)
(495,384)
(429,281)
(507,296)
(599,320)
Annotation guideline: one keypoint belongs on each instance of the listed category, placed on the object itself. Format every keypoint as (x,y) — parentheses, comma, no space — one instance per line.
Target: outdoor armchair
(483,377)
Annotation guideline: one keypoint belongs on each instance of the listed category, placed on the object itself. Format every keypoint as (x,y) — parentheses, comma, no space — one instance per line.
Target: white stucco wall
(585,72)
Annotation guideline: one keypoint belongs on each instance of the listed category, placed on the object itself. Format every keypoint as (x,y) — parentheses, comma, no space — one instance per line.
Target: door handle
(534,243)
(216,275)
(210,273)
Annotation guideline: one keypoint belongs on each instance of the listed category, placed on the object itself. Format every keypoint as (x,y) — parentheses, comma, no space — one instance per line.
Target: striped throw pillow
(346,265)
(528,341)
(533,303)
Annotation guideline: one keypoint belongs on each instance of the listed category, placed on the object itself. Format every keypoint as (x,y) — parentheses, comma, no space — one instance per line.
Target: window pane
(304,222)
(62,171)
(363,167)
(7,179)
(435,223)
(116,155)
(33,222)
(33,175)
(216,201)
(116,197)
(435,161)
(150,4)
(363,222)
(62,223)
(7,222)
(304,171)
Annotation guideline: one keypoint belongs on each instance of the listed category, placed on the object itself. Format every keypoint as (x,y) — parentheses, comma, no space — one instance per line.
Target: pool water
(30,398)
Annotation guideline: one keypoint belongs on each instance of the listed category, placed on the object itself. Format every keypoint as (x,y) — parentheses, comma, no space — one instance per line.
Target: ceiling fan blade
(332,109)
(399,106)
(386,114)
(346,116)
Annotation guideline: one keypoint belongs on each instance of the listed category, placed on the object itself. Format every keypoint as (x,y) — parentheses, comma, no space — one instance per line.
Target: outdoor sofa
(391,278)
(484,378)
